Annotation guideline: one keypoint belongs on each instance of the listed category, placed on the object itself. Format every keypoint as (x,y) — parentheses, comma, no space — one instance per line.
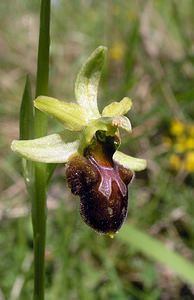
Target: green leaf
(70,114)
(129,162)
(158,251)
(50,170)
(117,108)
(86,85)
(54,148)
(26,113)
(27,128)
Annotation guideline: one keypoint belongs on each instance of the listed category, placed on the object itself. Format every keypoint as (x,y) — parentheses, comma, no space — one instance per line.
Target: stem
(43,66)
(39,229)
(40,186)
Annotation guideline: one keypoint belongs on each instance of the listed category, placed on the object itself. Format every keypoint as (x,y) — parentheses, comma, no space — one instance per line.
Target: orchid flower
(95,169)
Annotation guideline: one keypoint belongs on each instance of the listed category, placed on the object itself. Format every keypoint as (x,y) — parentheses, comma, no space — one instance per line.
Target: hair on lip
(102,190)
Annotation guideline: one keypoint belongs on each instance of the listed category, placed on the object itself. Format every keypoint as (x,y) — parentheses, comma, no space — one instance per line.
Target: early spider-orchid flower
(95,169)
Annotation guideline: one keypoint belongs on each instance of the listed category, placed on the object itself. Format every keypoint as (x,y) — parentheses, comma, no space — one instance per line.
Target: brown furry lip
(102,190)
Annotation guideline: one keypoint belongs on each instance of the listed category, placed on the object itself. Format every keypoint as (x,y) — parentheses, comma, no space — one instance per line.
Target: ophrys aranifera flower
(95,169)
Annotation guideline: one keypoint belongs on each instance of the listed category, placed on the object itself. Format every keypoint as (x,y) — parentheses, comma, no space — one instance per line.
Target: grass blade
(157,251)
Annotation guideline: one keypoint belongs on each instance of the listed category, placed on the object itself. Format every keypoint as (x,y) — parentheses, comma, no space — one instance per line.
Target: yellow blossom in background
(189,162)
(177,128)
(180,144)
(190,143)
(191,130)
(117,51)
(179,148)
(175,162)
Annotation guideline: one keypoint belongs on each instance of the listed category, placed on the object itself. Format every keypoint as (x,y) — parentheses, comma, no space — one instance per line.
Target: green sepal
(117,108)
(71,115)
(54,148)
(86,85)
(129,162)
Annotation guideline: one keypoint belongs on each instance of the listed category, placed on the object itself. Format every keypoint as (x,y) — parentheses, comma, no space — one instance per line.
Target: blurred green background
(150,59)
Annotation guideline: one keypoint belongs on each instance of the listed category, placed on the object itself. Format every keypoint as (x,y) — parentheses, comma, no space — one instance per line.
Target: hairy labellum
(101,185)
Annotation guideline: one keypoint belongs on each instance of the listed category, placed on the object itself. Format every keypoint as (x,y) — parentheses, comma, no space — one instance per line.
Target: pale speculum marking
(108,175)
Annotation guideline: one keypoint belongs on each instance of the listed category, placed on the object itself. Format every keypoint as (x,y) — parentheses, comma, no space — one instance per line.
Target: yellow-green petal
(122,122)
(86,85)
(53,148)
(129,162)
(71,115)
(117,108)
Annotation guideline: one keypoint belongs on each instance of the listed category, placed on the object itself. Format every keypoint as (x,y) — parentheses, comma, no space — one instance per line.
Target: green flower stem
(40,176)
(42,77)
(39,229)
